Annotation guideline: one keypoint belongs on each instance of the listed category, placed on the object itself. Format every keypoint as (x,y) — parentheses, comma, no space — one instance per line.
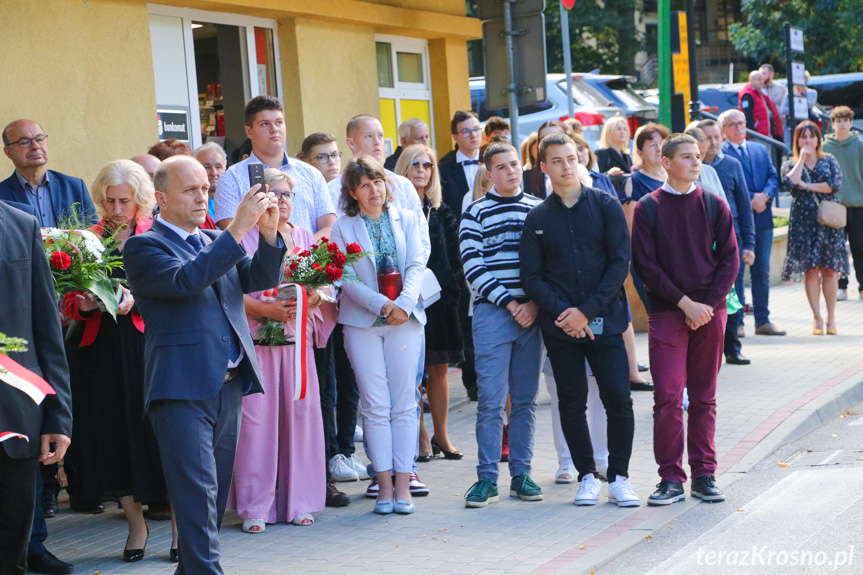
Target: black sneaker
(705,489)
(336,498)
(667,492)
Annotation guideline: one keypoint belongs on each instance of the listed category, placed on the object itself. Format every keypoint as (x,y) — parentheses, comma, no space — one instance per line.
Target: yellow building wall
(83,70)
(450,89)
(329,75)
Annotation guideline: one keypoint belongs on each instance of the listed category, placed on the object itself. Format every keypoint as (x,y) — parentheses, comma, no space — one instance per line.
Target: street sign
(796,43)
(529,53)
(798,73)
(801,108)
(493,9)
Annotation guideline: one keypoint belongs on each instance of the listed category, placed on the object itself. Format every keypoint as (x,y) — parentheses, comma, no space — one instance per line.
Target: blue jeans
(759,273)
(507,361)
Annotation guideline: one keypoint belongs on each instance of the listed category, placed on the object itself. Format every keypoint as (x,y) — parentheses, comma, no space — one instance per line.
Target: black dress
(608,158)
(442,329)
(114,448)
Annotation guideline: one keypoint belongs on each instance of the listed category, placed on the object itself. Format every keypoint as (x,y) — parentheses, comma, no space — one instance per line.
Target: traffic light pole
(663,54)
(510,56)
(567,58)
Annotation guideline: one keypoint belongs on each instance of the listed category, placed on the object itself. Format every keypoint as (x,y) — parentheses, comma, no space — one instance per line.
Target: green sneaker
(481,494)
(524,488)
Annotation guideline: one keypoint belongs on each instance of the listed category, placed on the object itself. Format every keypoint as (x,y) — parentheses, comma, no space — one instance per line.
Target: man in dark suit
(31,314)
(763,182)
(411,131)
(50,193)
(189,286)
(457,175)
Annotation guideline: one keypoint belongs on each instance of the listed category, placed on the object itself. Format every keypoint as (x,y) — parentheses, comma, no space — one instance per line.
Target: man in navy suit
(762,181)
(189,286)
(51,194)
(29,310)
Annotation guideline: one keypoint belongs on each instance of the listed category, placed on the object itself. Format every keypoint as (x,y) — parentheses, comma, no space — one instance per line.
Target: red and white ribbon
(19,377)
(300,355)
(4,435)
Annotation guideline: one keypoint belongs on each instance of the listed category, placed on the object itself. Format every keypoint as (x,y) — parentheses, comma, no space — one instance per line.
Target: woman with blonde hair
(115,455)
(443,340)
(612,157)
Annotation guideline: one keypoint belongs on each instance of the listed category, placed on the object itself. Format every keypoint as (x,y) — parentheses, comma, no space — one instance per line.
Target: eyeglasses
(327,158)
(425,165)
(27,142)
(285,195)
(467,132)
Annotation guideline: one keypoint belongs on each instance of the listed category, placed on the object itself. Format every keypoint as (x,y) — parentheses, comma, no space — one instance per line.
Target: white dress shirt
(469,171)
(667,187)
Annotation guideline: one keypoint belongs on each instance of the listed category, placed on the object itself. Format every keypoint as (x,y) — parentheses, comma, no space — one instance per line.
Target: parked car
(591,107)
(841,90)
(618,89)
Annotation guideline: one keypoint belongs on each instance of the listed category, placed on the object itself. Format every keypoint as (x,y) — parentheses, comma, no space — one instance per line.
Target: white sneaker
(565,473)
(622,493)
(358,466)
(341,469)
(417,487)
(358,434)
(842,295)
(588,493)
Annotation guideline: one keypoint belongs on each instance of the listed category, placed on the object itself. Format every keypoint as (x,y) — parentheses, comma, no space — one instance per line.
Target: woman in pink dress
(279,470)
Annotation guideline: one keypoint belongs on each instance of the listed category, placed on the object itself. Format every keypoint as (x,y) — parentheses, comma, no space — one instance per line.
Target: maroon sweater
(677,257)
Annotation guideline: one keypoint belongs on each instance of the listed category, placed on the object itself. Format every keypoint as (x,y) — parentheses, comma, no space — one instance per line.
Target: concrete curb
(805,419)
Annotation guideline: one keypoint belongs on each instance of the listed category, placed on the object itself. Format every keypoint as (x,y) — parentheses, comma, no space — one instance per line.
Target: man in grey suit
(29,310)
(189,286)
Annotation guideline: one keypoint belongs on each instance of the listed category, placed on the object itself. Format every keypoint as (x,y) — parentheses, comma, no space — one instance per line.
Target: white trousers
(597,422)
(385,364)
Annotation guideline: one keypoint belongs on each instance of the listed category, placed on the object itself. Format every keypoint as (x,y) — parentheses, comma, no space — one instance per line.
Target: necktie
(470,163)
(194,240)
(746,163)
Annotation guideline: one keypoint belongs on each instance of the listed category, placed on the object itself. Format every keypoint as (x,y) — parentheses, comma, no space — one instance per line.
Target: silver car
(591,107)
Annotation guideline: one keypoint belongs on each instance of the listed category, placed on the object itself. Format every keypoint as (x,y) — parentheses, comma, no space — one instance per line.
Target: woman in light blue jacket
(382,335)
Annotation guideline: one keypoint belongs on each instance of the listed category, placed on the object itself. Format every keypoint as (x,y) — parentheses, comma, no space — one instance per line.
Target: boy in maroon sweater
(685,250)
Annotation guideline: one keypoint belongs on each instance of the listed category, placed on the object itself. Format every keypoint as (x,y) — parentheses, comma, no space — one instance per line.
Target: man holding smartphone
(574,259)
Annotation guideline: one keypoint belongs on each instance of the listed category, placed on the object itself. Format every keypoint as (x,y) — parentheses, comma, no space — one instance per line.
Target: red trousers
(684,358)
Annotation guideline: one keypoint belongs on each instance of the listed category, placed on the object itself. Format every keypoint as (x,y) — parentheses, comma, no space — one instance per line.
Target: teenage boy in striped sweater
(506,339)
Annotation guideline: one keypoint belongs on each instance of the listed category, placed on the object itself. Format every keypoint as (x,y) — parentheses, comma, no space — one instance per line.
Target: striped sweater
(489,238)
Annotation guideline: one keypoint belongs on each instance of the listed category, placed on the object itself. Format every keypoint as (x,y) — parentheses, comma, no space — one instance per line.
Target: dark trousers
(39,531)
(468,367)
(327,384)
(17,502)
(607,357)
(347,396)
(732,345)
(198,441)
(854,233)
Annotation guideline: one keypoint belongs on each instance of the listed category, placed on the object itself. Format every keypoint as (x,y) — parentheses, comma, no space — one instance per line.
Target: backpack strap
(710,205)
(649,204)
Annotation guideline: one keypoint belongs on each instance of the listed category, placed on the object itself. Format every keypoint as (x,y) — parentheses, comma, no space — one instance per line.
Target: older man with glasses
(51,194)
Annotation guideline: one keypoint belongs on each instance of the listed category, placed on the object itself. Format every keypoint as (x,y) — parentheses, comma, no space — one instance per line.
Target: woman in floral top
(815,252)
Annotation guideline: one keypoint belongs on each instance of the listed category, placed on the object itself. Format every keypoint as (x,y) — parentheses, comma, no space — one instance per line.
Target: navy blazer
(65,192)
(454,185)
(29,310)
(188,324)
(762,178)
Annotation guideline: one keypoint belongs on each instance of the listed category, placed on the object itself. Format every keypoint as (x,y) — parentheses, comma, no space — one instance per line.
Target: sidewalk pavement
(795,383)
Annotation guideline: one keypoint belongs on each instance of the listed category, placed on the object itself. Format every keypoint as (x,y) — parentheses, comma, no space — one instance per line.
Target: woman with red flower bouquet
(279,472)
(114,454)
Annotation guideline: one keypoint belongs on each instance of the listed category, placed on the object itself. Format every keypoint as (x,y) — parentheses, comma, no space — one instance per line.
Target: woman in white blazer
(382,336)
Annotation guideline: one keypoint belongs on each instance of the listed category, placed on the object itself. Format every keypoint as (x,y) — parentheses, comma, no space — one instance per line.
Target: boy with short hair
(845,145)
(507,342)
(685,250)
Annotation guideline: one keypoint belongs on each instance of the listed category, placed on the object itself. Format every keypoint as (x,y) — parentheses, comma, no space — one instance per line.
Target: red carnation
(316,266)
(305,254)
(333,272)
(61,260)
(325,239)
(339,259)
(332,248)
(293,266)
(354,248)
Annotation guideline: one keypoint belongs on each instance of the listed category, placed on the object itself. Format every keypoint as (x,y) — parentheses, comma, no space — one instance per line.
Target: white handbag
(429,290)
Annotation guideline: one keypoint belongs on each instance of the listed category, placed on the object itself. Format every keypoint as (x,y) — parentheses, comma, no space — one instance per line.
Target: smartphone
(256,176)
(596,325)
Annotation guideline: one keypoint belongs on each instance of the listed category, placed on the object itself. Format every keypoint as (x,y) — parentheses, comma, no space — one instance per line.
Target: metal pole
(513,89)
(694,103)
(789,59)
(663,52)
(567,58)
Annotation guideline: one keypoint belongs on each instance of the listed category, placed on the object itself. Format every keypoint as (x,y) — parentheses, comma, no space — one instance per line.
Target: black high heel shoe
(174,555)
(436,448)
(135,555)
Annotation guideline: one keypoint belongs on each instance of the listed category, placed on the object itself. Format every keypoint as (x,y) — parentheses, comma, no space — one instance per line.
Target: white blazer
(361,302)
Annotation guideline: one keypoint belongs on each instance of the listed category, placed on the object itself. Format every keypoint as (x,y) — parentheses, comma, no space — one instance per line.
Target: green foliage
(831,29)
(12,344)
(779,221)
(602,33)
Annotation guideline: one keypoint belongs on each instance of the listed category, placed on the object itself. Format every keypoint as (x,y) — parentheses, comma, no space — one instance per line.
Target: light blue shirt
(40,199)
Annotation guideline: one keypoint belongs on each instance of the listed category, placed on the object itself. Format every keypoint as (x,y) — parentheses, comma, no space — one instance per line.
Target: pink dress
(280,467)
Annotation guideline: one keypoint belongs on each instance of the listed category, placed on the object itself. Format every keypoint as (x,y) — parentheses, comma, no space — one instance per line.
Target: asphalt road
(800,510)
